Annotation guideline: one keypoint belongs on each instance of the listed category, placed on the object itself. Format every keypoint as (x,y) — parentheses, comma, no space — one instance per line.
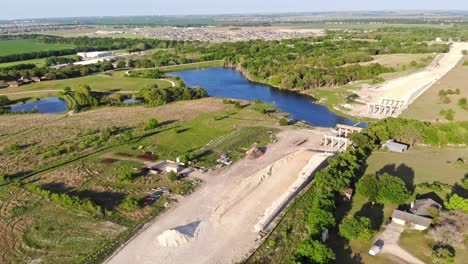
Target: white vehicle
(376,248)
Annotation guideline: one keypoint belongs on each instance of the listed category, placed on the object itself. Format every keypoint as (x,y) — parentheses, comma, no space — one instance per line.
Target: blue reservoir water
(47,105)
(229,83)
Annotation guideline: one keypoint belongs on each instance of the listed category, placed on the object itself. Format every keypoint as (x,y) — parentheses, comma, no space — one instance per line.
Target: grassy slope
(420,164)
(8,47)
(428,105)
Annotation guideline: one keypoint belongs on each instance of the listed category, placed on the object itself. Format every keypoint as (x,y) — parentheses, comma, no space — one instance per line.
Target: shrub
(68,201)
(450,115)
(13,147)
(130,204)
(152,123)
(172,176)
(377,80)
(283,122)
(4,100)
(455,202)
(442,93)
(462,102)
(3,177)
(126,174)
(444,255)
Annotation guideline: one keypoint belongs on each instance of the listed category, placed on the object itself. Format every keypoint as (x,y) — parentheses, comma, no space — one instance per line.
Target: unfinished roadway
(229,207)
(409,87)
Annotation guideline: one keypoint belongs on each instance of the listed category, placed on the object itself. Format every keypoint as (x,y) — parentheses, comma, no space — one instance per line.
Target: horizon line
(240,14)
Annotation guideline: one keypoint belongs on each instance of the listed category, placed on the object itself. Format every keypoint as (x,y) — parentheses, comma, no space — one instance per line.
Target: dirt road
(226,208)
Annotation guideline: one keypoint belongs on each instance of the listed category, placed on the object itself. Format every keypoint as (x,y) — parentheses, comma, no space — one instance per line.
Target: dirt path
(226,207)
(390,236)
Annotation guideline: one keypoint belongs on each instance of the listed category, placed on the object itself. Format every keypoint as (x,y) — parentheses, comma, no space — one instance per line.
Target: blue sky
(13,9)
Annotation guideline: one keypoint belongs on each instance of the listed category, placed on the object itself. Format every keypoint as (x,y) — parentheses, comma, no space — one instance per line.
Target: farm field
(421,164)
(205,128)
(8,47)
(428,105)
(102,83)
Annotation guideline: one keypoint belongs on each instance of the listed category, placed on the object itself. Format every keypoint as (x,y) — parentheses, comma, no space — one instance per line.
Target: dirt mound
(179,235)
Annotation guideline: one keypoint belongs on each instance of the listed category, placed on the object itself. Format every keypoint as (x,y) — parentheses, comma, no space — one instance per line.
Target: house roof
(421,207)
(393,144)
(173,165)
(349,191)
(411,218)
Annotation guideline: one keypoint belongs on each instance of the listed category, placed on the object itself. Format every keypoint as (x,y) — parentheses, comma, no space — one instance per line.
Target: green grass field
(421,164)
(101,83)
(428,105)
(424,249)
(8,47)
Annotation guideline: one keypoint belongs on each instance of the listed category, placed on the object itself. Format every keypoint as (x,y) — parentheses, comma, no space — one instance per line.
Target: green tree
(313,251)
(368,186)
(356,228)
(392,190)
(455,202)
(4,100)
(318,220)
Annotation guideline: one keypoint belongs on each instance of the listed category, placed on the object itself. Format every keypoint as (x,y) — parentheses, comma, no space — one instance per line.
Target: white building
(93,55)
(173,168)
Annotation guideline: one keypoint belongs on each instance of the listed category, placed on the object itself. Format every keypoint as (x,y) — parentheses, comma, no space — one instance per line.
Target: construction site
(225,219)
(393,96)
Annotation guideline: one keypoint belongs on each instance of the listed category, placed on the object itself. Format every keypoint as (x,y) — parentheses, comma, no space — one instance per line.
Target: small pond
(46,105)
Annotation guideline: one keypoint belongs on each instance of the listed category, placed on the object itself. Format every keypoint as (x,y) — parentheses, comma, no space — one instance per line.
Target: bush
(462,102)
(68,201)
(4,100)
(442,93)
(3,177)
(126,174)
(450,115)
(283,122)
(356,228)
(455,202)
(444,255)
(152,123)
(130,204)
(172,176)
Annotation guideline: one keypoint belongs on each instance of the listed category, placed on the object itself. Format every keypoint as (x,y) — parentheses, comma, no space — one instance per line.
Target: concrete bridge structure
(387,107)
